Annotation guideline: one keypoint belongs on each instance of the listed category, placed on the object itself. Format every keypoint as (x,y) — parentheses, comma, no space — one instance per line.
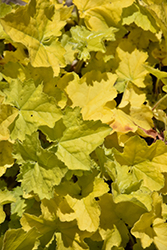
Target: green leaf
(34,108)
(40,168)
(38,31)
(79,139)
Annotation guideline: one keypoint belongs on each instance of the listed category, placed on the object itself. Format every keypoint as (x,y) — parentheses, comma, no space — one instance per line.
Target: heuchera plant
(83,125)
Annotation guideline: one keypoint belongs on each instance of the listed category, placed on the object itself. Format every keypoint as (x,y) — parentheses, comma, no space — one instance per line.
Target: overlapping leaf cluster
(83,125)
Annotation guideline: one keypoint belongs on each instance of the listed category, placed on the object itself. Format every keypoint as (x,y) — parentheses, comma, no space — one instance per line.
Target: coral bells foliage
(83,125)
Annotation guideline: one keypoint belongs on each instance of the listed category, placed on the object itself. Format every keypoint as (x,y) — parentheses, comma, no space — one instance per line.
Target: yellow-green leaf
(18,239)
(6,158)
(7,116)
(151,227)
(37,26)
(131,67)
(93,98)
(139,157)
(79,139)
(140,16)
(40,169)
(34,108)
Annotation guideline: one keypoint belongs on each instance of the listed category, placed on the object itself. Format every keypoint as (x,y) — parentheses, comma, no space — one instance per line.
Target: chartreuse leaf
(142,116)
(112,239)
(34,108)
(86,211)
(79,139)
(140,16)
(18,239)
(132,95)
(7,116)
(122,122)
(70,239)
(141,38)
(6,158)
(85,41)
(127,187)
(131,67)
(40,168)
(5,9)
(110,222)
(152,227)
(5,198)
(18,207)
(67,233)
(139,157)
(158,9)
(13,70)
(161,75)
(93,98)
(38,31)
(86,5)
(68,236)
(106,15)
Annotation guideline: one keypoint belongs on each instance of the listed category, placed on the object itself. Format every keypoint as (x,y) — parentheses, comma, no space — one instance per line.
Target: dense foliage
(83,125)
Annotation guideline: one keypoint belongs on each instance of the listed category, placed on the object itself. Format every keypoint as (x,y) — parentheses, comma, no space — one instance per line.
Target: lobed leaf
(37,26)
(79,139)
(34,108)
(40,168)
